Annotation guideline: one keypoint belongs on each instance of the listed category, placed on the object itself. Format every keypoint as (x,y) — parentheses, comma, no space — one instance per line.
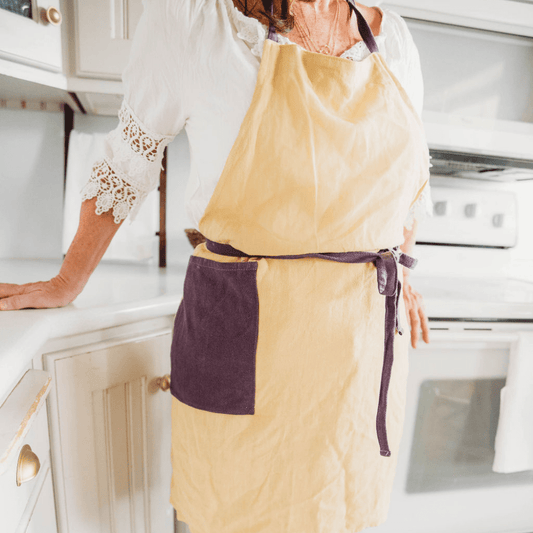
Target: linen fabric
(296,451)
(193,65)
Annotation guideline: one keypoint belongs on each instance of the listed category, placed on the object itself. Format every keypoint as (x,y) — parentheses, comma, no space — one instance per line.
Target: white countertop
(116,294)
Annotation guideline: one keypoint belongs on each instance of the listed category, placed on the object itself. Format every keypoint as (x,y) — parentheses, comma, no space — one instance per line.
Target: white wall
(31,183)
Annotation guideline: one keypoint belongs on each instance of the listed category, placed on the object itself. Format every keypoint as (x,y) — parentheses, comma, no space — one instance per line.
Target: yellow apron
(280,363)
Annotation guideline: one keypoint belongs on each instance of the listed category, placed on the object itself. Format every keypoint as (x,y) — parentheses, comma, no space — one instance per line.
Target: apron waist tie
(389,285)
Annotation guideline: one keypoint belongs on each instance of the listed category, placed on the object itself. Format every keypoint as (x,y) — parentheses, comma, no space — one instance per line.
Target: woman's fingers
(416,314)
(424,323)
(12,303)
(38,295)
(415,326)
(20,297)
(10,289)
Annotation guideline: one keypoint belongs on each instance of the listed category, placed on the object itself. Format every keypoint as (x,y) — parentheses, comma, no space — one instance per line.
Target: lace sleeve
(154,110)
(129,170)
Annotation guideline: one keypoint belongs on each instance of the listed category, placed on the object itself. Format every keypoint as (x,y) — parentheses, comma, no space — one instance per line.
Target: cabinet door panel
(114,429)
(104,29)
(31,40)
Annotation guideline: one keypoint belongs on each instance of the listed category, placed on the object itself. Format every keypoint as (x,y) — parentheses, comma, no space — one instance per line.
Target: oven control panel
(469,213)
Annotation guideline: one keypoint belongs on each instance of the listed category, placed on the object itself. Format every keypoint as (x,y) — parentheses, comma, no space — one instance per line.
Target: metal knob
(470,210)
(164,382)
(51,15)
(497,220)
(440,208)
(28,465)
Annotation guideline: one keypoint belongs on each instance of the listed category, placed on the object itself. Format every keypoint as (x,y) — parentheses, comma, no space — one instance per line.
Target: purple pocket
(215,337)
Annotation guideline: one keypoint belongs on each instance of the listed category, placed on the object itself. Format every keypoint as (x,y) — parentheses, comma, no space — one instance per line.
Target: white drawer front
(13,498)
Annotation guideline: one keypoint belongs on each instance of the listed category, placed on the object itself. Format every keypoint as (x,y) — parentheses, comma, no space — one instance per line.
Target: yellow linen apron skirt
(287,409)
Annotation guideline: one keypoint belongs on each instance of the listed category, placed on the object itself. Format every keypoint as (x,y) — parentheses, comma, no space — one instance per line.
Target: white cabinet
(32,41)
(104,30)
(507,16)
(110,429)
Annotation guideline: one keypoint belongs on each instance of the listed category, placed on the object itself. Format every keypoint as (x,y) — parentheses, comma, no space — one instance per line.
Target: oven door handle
(472,335)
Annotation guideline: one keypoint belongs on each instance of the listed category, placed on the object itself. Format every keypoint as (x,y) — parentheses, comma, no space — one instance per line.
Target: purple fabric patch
(215,337)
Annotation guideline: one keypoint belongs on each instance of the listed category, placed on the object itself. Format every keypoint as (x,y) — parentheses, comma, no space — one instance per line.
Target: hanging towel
(132,242)
(514,435)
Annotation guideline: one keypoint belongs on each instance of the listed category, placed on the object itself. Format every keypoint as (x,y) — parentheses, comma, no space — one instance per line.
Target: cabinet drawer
(15,498)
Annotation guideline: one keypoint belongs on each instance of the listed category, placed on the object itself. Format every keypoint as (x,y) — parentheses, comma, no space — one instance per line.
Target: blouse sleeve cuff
(129,170)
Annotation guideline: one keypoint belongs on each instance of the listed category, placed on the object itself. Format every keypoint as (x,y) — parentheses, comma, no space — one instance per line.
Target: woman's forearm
(94,234)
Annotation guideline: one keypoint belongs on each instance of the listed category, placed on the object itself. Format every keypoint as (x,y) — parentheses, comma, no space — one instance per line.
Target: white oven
(445,482)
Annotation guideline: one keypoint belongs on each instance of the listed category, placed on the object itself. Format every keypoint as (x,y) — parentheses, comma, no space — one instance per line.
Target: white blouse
(194,65)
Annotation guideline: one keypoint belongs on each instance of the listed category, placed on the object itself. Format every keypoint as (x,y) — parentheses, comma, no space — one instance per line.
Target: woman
(307,158)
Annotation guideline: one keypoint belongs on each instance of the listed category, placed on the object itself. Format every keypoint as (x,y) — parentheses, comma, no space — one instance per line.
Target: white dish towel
(135,241)
(514,435)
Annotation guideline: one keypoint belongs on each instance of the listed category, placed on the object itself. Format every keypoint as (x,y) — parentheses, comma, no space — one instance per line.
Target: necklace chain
(326,49)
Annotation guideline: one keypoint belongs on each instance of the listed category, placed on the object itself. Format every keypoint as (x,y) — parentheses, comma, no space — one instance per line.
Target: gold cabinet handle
(164,382)
(51,15)
(28,465)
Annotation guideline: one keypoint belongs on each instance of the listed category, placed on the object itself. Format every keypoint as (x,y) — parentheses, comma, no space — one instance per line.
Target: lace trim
(254,32)
(111,191)
(140,139)
(421,209)
(131,168)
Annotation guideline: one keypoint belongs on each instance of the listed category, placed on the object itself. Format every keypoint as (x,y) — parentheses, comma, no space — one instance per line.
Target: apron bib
(282,318)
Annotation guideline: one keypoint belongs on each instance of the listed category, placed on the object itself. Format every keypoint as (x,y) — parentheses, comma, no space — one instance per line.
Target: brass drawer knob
(51,15)
(28,465)
(164,382)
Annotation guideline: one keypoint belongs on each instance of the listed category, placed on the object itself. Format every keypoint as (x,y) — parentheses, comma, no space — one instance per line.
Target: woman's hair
(282,19)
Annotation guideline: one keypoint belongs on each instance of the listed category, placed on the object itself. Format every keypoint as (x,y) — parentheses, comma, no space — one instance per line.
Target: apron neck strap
(272,34)
(362,24)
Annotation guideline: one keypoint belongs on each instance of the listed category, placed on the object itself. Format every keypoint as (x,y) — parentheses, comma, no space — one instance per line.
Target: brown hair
(282,19)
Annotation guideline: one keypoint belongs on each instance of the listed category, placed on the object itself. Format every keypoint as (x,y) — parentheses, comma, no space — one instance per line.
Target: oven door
(444,481)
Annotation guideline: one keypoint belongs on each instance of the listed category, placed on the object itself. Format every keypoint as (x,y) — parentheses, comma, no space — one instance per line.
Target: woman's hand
(414,305)
(38,295)
(416,314)
(92,239)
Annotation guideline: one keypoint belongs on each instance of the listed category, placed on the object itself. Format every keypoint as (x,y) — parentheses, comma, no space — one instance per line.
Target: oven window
(20,7)
(455,430)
